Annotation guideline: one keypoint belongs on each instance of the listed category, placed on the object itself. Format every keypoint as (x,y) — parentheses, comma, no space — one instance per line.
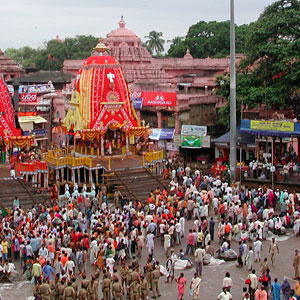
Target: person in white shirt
(70,266)
(257,249)
(227,282)
(178,233)
(225,295)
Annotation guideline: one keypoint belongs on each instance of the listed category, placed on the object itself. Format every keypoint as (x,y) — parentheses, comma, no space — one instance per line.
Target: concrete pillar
(73,176)
(177,123)
(159,119)
(56,175)
(102,145)
(97,175)
(127,143)
(90,176)
(46,180)
(78,175)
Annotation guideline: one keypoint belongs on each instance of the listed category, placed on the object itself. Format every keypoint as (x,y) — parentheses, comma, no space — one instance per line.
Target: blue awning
(137,102)
(162,134)
(246,128)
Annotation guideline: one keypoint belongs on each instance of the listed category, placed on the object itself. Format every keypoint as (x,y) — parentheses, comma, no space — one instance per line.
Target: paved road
(211,279)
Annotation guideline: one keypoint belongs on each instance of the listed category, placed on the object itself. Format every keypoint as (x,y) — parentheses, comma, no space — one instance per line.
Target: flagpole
(232,96)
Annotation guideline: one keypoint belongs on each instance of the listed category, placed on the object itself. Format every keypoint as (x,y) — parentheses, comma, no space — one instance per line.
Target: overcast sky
(32,22)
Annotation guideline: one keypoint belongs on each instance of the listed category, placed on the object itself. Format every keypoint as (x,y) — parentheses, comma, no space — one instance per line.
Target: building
(193,81)
(40,102)
(9,69)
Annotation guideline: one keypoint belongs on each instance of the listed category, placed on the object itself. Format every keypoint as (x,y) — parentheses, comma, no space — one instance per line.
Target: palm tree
(155,41)
(175,41)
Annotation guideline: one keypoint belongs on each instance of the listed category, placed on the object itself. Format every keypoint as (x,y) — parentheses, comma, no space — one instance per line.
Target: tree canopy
(209,39)
(270,73)
(155,42)
(53,54)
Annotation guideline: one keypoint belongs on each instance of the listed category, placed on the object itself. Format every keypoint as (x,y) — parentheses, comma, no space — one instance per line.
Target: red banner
(28,97)
(159,99)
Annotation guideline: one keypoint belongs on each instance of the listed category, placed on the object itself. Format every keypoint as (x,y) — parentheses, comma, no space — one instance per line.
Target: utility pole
(232,96)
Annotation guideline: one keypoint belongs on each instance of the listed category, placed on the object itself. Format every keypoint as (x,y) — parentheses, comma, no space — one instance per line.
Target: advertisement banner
(162,134)
(37,88)
(206,141)
(172,147)
(194,130)
(190,141)
(137,102)
(28,98)
(271,125)
(159,99)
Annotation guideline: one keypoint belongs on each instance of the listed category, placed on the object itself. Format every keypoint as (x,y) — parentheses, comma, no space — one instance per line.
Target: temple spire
(122,23)
(100,47)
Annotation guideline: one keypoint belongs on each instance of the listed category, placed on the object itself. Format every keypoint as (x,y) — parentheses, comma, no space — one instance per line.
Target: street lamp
(232,96)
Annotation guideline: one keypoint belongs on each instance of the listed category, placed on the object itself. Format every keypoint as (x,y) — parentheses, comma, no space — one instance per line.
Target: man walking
(199,255)
(296,262)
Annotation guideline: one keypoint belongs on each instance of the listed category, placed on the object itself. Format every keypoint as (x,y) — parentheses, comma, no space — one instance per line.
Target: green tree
(210,39)
(24,56)
(273,52)
(177,47)
(270,72)
(155,42)
(54,52)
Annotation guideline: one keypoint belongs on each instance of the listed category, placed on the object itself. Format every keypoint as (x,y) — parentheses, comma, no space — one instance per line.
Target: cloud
(32,22)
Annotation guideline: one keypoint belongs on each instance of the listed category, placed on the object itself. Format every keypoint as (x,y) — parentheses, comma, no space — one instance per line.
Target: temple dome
(122,34)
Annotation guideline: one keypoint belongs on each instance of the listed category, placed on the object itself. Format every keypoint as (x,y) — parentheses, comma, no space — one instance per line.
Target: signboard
(136,95)
(205,141)
(159,99)
(155,134)
(177,139)
(37,88)
(137,103)
(194,130)
(162,134)
(28,98)
(271,125)
(190,141)
(172,147)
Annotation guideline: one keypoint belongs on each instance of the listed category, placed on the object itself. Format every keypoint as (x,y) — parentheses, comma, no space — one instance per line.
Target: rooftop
(45,77)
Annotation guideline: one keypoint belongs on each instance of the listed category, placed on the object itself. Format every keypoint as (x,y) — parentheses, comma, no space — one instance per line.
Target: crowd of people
(59,242)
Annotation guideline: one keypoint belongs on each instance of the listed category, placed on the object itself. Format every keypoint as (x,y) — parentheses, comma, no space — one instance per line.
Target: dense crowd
(57,242)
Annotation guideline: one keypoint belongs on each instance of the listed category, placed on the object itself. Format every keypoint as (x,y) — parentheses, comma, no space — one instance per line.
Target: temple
(100,109)
(191,80)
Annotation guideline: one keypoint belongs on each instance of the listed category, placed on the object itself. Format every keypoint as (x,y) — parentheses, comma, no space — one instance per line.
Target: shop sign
(205,141)
(137,103)
(37,88)
(177,139)
(28,98)
(272,125)
(194,130)
(190,141)
(159,99)
(172,147)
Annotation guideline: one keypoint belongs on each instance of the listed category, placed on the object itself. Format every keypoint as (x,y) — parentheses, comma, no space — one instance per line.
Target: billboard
(193,130)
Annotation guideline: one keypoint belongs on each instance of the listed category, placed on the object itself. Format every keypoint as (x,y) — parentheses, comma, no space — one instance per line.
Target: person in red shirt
(190,243)
(64,259)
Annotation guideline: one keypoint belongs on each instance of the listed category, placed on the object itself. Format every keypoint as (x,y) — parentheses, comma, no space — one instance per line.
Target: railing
(53,157)
(152,156)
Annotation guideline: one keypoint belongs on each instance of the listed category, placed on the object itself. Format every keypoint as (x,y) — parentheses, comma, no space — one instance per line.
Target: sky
(33,22)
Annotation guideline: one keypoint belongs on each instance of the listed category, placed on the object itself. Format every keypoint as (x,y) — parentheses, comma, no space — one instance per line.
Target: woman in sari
(181,281)
(100,258)
(195,286)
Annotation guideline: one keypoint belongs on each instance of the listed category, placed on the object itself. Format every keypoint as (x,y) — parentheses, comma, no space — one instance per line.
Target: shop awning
(162,134)
(34,119)
(280,128)
(244,139)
